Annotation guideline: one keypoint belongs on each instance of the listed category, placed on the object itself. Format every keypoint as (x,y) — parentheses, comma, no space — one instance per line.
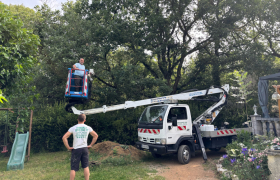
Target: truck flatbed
(224,132)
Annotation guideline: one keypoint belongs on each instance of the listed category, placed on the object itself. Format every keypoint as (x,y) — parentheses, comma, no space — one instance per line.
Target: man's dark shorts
(78,155)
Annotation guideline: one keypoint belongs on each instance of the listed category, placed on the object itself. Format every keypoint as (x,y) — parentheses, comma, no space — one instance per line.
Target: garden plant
(246,157)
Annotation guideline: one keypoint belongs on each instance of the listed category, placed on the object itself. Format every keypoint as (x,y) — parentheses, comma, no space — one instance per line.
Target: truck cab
(163,128)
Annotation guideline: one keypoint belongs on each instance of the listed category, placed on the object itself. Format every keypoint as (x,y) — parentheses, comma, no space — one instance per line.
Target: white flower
(241,145)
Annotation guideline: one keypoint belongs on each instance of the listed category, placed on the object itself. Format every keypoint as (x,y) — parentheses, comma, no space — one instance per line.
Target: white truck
(168,127)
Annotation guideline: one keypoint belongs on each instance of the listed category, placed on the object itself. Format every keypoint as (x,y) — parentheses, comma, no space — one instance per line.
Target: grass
(56,165)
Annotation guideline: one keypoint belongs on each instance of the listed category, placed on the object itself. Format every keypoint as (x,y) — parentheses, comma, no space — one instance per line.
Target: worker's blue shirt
(79,73)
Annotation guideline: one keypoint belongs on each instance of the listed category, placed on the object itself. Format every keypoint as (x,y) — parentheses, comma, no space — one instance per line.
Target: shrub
(248,164)
(8,120)
(50,123)
(246,157)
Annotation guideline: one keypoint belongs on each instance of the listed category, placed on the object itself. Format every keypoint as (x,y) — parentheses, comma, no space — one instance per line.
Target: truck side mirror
(174,121)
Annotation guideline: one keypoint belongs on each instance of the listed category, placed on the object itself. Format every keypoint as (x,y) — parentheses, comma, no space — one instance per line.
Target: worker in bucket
(78,75)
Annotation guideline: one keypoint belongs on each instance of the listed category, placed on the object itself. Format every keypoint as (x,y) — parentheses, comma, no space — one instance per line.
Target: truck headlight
(139,138)
(163,141)
(160,141)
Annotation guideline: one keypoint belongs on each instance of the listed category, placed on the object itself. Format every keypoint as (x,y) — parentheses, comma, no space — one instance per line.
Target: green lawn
(56,165)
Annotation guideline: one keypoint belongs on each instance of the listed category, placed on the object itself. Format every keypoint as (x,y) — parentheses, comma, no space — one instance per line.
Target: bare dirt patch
(112,149)
(195,169)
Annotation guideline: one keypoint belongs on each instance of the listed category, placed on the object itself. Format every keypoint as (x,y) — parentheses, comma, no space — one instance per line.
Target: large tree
(18,48)
(162,34)
(28,16)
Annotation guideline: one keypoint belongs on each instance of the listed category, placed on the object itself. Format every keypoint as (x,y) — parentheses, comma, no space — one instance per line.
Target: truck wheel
(156,155)
(215,149)
(184,154)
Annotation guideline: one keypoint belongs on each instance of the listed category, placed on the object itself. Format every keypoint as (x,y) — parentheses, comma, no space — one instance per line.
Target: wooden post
(30,131)
(17,122)
(16,126)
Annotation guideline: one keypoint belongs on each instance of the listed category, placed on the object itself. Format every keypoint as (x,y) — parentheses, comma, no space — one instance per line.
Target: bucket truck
(167,127)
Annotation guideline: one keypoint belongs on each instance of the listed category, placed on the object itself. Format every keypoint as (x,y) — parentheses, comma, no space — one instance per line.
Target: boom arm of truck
(212,111)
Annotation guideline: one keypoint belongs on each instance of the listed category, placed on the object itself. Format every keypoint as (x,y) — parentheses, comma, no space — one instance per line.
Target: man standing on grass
(80,148)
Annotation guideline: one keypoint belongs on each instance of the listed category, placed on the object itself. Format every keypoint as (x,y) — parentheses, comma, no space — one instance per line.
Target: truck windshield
(153,114)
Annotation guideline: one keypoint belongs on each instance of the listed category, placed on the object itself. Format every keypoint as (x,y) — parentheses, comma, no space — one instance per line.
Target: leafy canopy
(18,48)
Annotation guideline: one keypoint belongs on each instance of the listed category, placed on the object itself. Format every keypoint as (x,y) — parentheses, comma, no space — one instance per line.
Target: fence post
(277,127)
(264,127)
(30,131)
(271,132)
(256,124)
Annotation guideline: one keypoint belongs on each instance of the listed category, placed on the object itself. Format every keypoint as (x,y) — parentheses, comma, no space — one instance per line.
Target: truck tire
(156,155)
(184,154)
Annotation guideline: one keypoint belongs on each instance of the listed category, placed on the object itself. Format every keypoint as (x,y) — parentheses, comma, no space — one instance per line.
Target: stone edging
(273,152)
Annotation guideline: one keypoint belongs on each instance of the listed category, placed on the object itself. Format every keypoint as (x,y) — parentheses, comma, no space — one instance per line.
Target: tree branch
(107,84)
(274,53)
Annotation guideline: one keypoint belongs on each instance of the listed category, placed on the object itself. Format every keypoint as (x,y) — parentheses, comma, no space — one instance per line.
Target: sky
(54,4)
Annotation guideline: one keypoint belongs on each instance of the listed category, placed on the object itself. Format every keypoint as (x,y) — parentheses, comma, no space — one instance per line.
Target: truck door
(183,124)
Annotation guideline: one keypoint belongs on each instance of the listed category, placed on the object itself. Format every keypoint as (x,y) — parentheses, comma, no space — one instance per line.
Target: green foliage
(2,97)
(115,152)
(233,149)
(50,123)
(9,120)
(243,85)
(54,53)
(244,137)
(244,169)
(233,113)
(28,16)
(125,81)
(266,36)
(118,161)
(246,157)
(247,164)
(18,48)
(119,126)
